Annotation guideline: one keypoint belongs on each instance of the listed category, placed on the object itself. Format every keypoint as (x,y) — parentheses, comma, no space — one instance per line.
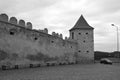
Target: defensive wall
(20,44)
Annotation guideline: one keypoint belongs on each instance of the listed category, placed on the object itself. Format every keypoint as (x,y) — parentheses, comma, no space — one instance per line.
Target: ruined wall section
(24,45)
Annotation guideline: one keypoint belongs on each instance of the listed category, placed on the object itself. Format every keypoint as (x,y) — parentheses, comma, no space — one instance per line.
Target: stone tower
(82,32)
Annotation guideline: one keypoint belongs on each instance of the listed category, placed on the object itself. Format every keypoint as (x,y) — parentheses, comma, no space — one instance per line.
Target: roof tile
(81,24)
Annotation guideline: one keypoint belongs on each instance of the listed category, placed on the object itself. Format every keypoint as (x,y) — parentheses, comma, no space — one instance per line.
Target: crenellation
(66,38)
(45,30)
(29,25)
(40,30)
(12,26)
(13,20)
(57,34)
(61,36)
(21,23)
(53,33)
(4,17)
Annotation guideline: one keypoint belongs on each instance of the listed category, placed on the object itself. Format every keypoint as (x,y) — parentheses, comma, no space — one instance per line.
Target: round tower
(82,32)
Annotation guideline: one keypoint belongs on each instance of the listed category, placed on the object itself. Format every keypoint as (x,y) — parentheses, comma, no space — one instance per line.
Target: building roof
(81,24)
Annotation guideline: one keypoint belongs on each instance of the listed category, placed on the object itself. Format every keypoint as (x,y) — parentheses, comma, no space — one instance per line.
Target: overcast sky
(61,15)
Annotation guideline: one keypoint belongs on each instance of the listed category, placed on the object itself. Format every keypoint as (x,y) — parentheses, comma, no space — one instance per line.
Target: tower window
(84,41)
(12,33)
(52,41)
(79,33)
(87,51)
(86,33)
(35,38)
(72,35)
(79,51)
(71,46)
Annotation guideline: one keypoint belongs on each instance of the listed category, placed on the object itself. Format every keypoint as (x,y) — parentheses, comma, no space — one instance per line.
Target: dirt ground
(67,72)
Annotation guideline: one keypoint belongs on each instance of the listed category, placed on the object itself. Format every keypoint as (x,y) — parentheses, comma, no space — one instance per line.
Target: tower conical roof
(81,24)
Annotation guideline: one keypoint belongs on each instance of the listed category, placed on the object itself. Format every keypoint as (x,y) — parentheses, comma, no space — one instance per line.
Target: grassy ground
(68,72)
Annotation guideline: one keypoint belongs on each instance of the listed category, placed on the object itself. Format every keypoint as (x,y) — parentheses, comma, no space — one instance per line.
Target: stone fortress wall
(20,44)
(85,43)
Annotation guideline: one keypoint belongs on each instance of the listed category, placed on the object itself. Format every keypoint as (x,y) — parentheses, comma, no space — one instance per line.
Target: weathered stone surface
(57,34)
(22,23)
(4,17)
(53,33)
(46,30)
(30,45)
(29,25)
(61,36)
(13,20)
(66,38)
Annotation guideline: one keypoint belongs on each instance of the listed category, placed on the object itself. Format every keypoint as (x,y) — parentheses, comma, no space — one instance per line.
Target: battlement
(24,45)
(57,35)
(26,25)
(13,20)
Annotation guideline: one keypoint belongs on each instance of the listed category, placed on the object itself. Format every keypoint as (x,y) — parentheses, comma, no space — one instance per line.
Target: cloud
(26,5)
(61,15)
